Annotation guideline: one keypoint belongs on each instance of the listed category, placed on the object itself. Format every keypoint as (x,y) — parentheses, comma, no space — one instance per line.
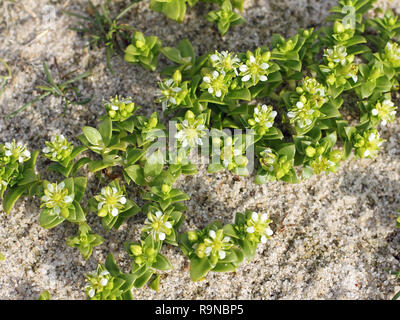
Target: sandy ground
(338,239)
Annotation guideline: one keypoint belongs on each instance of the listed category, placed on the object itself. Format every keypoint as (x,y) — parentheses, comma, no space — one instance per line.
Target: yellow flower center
(156,225)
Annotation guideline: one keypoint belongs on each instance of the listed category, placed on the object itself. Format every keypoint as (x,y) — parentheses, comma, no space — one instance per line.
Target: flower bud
(338,27)
(177,77)
(111,113)
(310,151)
(266,55)
(139,260)
(136,249)
(130,107)
(331,80)
(165,188)
(189,115)
(200,250)
(261,131)
(299,90)
(102,212)
(251,122)
(153,122)
(241,161)
(335,156)
(192,236)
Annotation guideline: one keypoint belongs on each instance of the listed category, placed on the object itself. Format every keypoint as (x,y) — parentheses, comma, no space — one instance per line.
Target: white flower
(92,293)
(217,244)
(255,68)
(246,78)
(110,201)
(264,116)
(170,93)
(392,53)
(103,282)
(17,151)
(56,197)
(190,133)
(225,62)
(58,148)
(158,224)
(97,282)
(385,111)
(257,227)
(337,55)
(216,83)
(250,229)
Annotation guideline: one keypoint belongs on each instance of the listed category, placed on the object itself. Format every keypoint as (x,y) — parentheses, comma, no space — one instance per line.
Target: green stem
(13,114)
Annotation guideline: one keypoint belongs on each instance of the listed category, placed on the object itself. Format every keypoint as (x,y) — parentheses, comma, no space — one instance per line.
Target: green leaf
(154,164)
(249,250)
(199,268)
(79,214)
(65,171)
(129,280)
(174,55)
(330,111)
(367,89)
(135,155)
(143,279)
(288,150)
(154,284)
(79,188)
(230,231)
(11,197)
(79,164)
(162,263)
(97,165)
(206,97)
(307,172)
(396,296)
(189,169)
(262,177)
(224,267)
(29,176)
(92,135)
(48,221)
(30,164)
(240,94)
(135,173)
(45,295)
(215,167)
(186,49)
(111,266)
(77,150)
(105,130)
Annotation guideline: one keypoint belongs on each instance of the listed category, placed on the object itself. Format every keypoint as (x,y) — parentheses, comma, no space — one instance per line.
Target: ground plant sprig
(288,99)
(66,90)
